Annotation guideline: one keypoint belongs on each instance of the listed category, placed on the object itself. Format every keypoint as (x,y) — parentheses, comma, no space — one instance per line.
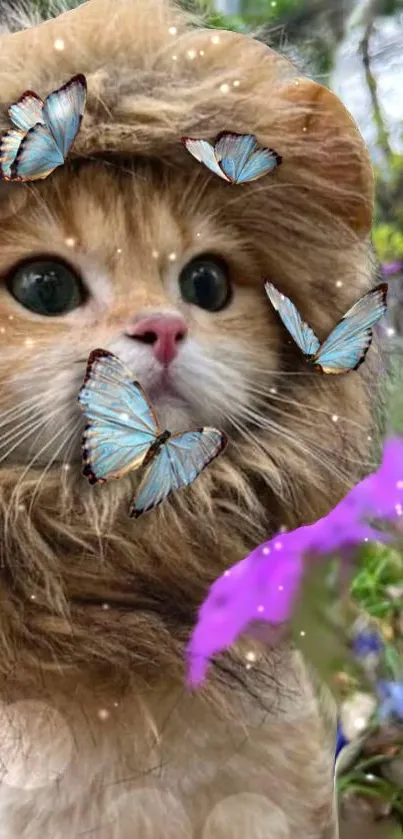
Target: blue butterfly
(347,345)
(122,435)
(237,158)
(43,133)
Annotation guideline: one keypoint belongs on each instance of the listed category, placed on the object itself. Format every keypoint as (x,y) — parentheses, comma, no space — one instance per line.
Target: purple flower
(391,696)
(265,585)
(366,643)
(391,268)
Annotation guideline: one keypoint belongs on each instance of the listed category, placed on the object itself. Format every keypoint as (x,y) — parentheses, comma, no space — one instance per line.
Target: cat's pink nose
(164,333)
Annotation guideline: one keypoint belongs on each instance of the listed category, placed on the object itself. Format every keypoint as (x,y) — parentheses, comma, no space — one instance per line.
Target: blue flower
(341,741)
(367,643)
(391,696)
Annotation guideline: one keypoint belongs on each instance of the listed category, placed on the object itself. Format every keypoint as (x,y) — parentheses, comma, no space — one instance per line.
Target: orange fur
(95,608)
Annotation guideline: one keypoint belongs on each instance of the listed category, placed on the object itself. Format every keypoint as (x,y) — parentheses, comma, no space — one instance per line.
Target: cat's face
(147,267)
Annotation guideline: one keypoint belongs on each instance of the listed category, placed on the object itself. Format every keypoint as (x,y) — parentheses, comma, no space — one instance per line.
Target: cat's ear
(328,142)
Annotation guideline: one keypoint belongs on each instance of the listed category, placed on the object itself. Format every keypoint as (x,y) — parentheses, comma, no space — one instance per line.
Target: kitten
(134,247)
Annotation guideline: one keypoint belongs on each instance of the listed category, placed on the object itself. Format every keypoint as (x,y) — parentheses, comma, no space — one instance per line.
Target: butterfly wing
(204,152)
(347,345)
(121,425)
(260,163)
(27,111)
(233,152)
(242,159)
(302,334)
(37,155)
(63,111)
(178,463)
(9,145)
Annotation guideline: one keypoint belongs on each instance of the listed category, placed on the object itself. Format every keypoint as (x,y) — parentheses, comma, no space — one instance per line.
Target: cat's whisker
(270,398)
(72,434)
(31,463)
(22,437)
(28,416)
(23,408)
(312,452)
(18,429)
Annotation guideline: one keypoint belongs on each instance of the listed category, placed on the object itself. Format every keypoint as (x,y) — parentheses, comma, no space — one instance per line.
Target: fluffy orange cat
(132,240)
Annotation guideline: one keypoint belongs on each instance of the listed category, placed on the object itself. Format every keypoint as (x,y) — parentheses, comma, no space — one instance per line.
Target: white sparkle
(273,390)
(116,704)
(399,485)
(201,52)
(366,539)
(124,417)
(302,634)
(174,58)
(70,241)
(198,235)
(260,608)
(296,83)
(360,723)
(227,573)
(105,606)
(33,596)
(273,3)
(155,255)
(248,666)
(118,250)
(29,342)
(335,418)
(399,509)
(251,656)
(66,467)
(225,88)
(172,30)
(215,39)
(11,317)
(278,546)
(172,257)
(266,551)
(103,714)
(2,330)
(281,588)
(339,284)
(369,438)
(191,54)
(305,129)
(390,331)
(236,83)
(59,44)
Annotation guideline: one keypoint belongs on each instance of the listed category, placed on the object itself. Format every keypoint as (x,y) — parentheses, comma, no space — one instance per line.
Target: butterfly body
(236,158)
(122,435)
(346,347)
(44,131)
(155,447)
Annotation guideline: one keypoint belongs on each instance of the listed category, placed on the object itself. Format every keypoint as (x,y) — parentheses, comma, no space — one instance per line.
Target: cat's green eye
(46,287)
(205,282)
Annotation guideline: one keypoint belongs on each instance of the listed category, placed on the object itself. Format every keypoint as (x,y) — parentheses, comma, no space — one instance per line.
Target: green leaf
(321,622)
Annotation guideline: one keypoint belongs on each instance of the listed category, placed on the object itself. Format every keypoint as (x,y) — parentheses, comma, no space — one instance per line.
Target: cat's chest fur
(147,764)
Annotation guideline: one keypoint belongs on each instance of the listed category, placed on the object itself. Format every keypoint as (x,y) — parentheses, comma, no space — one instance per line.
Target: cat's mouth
(161,387)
